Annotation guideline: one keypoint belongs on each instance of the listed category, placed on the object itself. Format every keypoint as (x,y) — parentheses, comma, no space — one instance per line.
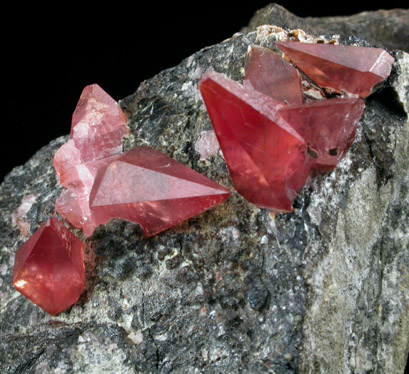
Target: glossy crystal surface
(350,69)
(270,74)
(327,126)
(97,128)
(148,187)
(49,268)
(265,156)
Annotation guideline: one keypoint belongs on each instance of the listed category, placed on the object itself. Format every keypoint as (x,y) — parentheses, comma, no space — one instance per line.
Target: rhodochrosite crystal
(272,75)
(98,125)
(327,126)
(148,187)
(49,268)
(351,69)
(73,203)
(266,157)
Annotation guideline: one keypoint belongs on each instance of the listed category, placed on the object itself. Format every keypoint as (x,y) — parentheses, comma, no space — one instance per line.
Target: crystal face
(350,69)
(272,140)
(327,126)
(73,203)
(49,268)
(266,157)
(97,128)
(147,187)
(270,74)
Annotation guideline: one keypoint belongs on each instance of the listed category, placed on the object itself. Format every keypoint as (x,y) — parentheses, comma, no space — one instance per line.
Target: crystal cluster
(102,183)
(49,268)
(270,137)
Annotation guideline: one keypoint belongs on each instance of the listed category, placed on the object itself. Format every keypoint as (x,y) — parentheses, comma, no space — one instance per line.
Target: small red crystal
(272,75)
(351,69)
(328,127)
(266,157)
(147,187)
(49,268)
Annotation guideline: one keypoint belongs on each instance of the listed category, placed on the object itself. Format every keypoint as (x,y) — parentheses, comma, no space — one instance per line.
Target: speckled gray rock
(323,289)
(382,28)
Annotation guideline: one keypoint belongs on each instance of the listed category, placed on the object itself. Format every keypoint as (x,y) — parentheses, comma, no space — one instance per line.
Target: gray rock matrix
(324,289)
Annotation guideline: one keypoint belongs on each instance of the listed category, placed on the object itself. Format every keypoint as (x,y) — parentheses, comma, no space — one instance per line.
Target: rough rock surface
(323,289)
(382,28)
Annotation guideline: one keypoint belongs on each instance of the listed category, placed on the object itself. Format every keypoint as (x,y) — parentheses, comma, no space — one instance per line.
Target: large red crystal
(266,157)
(328,127)
(272,75)
(148,187)
(98,126)
(49,268)
(351,69)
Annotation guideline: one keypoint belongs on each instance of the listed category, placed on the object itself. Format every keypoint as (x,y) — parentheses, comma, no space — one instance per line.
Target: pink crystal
(270,74)
(351,69)
(98,126)
(73,203)
(18,216)
(266,157)
(328,127)
(49,268)
(148,187)
(207,145)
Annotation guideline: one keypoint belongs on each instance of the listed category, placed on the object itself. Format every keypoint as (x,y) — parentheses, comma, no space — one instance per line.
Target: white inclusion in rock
(23,209)
(17,217)
(207,145)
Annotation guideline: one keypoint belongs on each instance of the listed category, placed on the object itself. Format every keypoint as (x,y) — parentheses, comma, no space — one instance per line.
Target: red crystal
(97,128)
(328,127)
(266,157)
(49,268)
(148,187)
(272,75)
(73,203)
(98,125)
(351,69)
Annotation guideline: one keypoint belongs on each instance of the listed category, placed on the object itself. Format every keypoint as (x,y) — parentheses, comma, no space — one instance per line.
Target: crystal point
(49,268)
(328,127)
(265,156)
(351,69)
(147,187)
(98,125)
(270,74)
(97,128)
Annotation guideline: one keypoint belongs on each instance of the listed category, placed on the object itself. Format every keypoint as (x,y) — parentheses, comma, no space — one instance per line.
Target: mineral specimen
(49,268)
(350,69)
(148,187)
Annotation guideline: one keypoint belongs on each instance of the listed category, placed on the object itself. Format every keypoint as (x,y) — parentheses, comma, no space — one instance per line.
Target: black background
(51,54)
